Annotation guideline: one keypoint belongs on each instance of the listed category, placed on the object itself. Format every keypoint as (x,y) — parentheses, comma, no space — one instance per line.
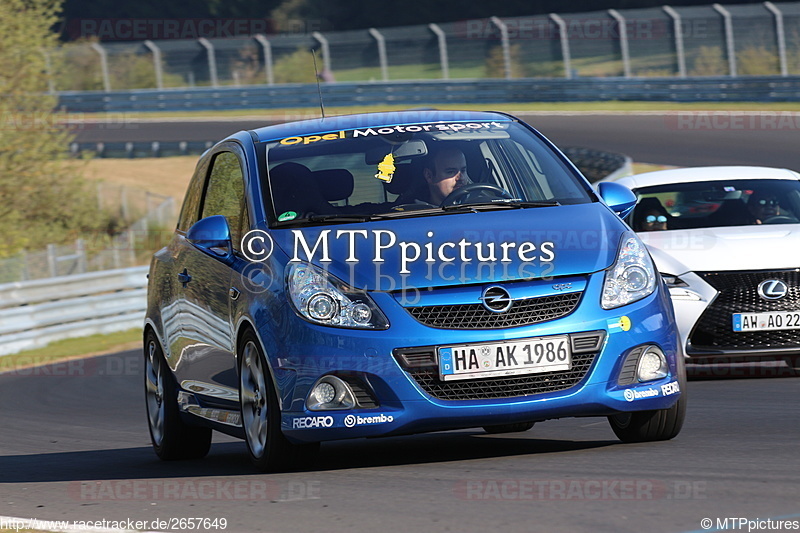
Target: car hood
(726,248)
(556,241)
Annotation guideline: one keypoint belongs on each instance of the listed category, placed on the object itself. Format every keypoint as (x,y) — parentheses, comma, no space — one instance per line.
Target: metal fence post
(564,36)
(52,260)
(26,272)
(381,42)
(103,65)
(262,40)
(623,41)
(442,39)
(678,29)
(781,36)
(80,251)
(504,43)
(123,200)
(131,247)
(326,50)
(157,66)
(730,44)
(212,60)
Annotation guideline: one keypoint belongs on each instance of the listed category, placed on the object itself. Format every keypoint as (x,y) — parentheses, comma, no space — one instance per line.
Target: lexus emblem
(773,289)
(496,299)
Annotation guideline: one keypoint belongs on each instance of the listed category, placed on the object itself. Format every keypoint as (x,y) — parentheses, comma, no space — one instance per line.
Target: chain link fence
(151,214)
(741,40)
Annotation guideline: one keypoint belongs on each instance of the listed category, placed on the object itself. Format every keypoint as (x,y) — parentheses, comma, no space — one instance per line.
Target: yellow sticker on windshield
(386,168)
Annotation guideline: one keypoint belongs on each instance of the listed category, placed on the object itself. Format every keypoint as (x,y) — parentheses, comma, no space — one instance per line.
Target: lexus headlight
(631,277)
(323,299)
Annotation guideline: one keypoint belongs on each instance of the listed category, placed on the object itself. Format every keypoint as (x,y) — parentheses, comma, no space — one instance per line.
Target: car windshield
(414,170)
(716,203)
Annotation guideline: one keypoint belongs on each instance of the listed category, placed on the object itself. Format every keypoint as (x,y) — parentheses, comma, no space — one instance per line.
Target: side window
(191,203)
(225,193)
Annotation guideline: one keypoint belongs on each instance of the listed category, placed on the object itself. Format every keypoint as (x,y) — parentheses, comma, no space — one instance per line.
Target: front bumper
(402,404)
(705,323)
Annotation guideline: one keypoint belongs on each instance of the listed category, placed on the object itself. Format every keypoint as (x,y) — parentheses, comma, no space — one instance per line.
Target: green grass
(73,348)
(605,106)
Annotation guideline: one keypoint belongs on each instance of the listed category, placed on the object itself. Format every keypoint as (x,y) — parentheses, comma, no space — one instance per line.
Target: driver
(446,171)
(763,205)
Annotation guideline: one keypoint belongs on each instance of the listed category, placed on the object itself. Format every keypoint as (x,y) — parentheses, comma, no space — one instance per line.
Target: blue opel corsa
(396,273)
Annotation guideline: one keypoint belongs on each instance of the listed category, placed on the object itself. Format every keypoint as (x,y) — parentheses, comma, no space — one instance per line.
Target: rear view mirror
(211,235)
(407,150)
(619,198)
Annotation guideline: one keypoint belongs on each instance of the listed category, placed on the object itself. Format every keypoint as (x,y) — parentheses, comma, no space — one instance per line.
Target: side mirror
(211,235)
(619,198)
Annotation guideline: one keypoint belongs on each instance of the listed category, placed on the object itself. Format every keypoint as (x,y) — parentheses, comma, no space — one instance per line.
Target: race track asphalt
(75,446)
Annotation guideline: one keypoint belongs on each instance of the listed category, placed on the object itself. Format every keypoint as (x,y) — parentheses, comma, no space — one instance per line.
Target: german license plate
(772,321)
(526,356)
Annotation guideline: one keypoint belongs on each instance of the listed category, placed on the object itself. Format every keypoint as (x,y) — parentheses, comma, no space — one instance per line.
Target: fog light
(324,392)
(330,393)
(652,365)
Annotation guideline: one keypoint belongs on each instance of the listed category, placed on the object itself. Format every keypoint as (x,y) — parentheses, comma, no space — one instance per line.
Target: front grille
(738,294)
(475,316)
(509,386)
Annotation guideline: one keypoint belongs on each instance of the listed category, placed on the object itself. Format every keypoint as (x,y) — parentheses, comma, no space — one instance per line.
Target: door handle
(184,277)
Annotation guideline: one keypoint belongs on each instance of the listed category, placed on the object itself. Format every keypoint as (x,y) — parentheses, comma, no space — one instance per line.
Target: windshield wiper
(338,218)
(311,219)
(503,204)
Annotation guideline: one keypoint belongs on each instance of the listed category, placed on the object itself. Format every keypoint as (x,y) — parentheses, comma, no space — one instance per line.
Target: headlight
(323,299)
(679,289)
(631,277)
(673,281)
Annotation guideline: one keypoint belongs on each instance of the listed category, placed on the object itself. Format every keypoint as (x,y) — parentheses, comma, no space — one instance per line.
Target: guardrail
(415,93)
(36,313)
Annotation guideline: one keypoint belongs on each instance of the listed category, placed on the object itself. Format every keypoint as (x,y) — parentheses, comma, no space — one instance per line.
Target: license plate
(774,321)
(527,356)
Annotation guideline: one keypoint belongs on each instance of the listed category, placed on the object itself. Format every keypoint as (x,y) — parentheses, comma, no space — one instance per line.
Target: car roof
(374,120)
(693,174)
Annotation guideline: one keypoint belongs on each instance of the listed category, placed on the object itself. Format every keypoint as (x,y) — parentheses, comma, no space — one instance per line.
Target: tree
(42,196)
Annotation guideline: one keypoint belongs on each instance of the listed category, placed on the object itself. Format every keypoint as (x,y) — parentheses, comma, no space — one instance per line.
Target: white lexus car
(727,243)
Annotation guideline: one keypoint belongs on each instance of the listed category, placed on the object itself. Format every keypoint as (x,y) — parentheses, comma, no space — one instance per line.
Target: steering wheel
(779,219)
(461,192)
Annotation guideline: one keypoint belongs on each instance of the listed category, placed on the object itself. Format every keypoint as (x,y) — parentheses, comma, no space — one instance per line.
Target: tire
(508,428)
(172,438)
(647,426)
(269,449)
(794,364)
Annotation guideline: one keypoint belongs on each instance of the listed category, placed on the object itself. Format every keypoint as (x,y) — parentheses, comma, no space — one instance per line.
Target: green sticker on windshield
(288,215)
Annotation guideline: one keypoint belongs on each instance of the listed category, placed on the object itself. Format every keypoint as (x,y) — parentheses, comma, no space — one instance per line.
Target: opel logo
(773,289)
(496,299)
